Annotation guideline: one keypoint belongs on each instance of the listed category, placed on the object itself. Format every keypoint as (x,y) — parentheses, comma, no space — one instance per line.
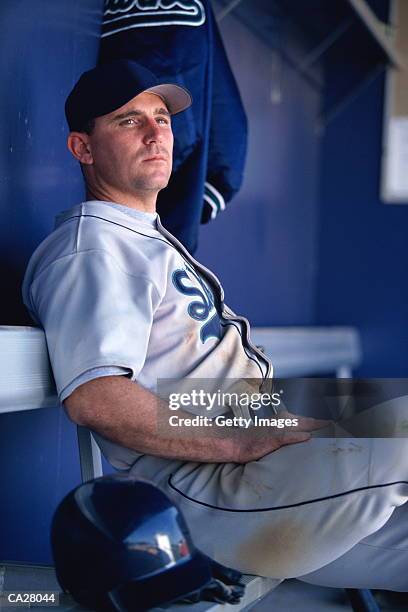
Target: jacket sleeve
(228,134)
(94,314)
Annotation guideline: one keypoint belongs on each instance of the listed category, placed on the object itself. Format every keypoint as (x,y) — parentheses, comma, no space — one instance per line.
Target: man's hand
(265,440)
(305,423)
(125,413)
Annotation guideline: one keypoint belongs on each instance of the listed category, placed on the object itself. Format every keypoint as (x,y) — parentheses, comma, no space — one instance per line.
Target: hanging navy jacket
(180,43)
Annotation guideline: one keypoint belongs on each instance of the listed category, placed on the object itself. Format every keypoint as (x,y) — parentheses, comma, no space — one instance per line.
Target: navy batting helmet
(121,544)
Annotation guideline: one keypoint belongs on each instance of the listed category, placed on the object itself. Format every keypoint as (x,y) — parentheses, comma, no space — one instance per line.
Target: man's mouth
(156,158)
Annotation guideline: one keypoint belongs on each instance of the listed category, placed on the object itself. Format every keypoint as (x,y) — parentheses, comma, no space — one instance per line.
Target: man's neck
(145,202)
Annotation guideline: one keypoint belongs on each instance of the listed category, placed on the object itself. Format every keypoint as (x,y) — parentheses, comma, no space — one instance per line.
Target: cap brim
(176,98)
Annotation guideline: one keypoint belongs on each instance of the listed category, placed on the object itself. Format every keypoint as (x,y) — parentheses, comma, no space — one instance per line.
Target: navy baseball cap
(109,86)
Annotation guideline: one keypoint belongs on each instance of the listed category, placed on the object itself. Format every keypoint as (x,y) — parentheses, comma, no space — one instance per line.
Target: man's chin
(153,184)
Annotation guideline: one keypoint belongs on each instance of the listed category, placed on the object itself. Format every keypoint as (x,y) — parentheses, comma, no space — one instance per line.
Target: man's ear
(79,145)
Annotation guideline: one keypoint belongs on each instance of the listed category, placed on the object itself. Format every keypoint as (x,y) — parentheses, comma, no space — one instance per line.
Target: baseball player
(123,305)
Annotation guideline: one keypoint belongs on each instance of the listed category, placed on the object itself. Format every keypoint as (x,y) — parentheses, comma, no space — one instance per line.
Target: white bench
(26,383)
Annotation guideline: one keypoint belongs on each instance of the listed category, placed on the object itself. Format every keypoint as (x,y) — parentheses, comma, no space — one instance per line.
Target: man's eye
(163,120)
(129,121)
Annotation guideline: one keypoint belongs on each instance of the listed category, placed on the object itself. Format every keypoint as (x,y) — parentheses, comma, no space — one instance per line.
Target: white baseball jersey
(116,290)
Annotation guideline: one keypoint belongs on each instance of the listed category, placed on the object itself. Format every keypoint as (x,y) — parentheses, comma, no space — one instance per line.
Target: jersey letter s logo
(200,308)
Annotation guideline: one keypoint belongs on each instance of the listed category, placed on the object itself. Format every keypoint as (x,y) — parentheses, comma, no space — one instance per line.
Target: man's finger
(293,437)
(306,423)
(311,424)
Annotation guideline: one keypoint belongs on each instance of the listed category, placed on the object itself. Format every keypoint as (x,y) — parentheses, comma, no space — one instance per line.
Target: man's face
(132,146)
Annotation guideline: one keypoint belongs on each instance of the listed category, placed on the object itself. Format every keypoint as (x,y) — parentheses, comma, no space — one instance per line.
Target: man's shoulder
(90,230)
(60,243)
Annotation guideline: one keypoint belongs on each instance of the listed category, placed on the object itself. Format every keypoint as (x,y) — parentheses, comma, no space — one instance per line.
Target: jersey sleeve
(91,375)
(94,314)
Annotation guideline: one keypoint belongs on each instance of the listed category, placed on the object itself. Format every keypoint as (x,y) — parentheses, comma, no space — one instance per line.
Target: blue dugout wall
(264,246)
(44,46)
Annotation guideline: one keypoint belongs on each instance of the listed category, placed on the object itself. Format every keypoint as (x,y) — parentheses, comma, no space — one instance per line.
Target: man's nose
(152,132)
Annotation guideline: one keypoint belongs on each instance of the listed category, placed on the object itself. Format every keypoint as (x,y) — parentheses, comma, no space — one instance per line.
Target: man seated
(124,305)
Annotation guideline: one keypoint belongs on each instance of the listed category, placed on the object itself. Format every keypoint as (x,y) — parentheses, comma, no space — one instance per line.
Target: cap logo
(121,15)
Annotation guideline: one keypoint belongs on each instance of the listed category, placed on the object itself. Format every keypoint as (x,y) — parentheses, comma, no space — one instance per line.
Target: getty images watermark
(366,408)
(241,401)
(207,401)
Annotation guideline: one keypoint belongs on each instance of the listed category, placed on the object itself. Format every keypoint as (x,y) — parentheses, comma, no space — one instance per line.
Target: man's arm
(126,413)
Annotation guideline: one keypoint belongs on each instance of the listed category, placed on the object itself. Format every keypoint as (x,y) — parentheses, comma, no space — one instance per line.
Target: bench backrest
(26,380)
